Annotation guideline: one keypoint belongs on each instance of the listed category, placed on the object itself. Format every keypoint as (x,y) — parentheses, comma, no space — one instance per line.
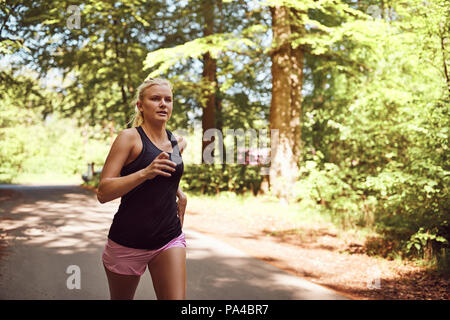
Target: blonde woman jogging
(144,168)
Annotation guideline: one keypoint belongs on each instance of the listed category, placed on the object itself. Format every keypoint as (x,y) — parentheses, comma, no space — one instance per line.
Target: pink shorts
(130,261)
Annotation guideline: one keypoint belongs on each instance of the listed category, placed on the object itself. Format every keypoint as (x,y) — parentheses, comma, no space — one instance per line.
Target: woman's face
(157,99)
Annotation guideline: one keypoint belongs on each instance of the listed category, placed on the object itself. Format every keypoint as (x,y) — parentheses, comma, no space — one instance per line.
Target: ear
(138,105)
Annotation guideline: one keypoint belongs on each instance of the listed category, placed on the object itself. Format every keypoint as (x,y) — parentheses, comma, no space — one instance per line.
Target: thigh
(122,287)
(168,271)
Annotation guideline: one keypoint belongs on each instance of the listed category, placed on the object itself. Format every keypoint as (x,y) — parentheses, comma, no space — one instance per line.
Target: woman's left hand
(181,205)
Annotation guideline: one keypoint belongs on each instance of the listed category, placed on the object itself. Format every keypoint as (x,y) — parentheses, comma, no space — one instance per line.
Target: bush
(212,179)
(333,188)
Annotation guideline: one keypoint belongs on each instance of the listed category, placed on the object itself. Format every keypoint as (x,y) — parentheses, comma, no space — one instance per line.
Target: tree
(209,74)
(223,53)
(286,52)
(285,110)
(101,59)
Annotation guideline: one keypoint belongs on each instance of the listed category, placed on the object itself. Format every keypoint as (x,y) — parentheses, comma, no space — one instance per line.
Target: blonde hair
(137,119)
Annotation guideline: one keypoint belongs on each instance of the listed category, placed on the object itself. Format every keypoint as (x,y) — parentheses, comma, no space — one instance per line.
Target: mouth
(162,113)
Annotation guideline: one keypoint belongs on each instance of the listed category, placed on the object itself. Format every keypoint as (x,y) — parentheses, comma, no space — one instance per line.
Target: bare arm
(113,186)
(182,199)
(180,194)
(181,204)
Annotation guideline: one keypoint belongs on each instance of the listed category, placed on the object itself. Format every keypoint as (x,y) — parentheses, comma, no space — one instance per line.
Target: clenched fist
(160,166)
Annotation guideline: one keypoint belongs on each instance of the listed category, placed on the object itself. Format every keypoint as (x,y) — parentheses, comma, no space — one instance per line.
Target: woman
(144,167)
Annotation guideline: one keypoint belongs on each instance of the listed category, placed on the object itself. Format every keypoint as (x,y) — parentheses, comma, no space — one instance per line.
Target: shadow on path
(45,229)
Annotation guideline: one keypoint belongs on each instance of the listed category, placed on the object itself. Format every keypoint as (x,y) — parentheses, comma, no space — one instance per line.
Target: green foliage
(39,149)
(12,150)
(215,44)
(35,141)
(22,106)
(212,179)
(55,147)
(378,118)
(333,188)
(420,239)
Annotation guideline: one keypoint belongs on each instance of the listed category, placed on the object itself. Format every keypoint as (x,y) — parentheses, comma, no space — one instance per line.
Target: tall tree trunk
(219,114)
(287,74)
(209,75)
(297,57)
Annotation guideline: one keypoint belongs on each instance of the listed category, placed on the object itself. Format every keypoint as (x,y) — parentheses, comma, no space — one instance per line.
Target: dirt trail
(318,255)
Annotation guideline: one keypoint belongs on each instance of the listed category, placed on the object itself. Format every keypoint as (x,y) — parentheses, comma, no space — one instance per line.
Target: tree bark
(219,114)
(297,57)
(283,110)
(209,75)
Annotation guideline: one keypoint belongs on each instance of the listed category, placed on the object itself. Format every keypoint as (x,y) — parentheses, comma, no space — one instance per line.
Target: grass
(302,219)
(250,208)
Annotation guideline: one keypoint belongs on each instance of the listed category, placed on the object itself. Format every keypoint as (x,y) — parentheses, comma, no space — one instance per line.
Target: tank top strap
(143,137)
(172,138)
(141,132)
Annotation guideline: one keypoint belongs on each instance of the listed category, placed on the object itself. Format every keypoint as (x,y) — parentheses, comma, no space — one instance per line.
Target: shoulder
(130,131)
(126,139)
(128,134)
(119,153)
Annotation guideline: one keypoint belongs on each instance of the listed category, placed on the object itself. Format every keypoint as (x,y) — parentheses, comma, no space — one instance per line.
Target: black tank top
(147,215)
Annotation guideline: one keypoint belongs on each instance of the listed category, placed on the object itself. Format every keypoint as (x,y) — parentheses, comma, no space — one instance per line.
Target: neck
(156,130)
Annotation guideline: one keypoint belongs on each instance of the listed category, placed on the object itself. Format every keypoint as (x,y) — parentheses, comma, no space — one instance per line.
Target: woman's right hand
(158,166)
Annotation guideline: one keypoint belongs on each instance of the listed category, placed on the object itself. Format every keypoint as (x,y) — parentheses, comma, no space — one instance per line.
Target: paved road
(46,229)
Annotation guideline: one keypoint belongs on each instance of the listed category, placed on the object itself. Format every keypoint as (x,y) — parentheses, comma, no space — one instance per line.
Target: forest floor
(316,252)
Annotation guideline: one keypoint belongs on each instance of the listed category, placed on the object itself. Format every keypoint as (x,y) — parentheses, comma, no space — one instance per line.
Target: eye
(168,99)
